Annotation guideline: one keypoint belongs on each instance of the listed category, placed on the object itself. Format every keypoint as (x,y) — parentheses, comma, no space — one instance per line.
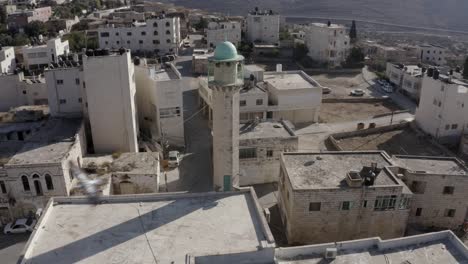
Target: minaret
(225,78)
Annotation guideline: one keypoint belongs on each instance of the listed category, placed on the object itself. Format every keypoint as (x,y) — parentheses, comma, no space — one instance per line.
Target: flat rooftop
(431,248)
(166,74)
(50,144)
(156,228)
(129,163)
(323,25)
(265,130)
(432,165)
(329,169)
(290,80)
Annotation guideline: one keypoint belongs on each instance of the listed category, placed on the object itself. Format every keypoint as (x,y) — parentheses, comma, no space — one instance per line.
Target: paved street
(195,171)
(11,247)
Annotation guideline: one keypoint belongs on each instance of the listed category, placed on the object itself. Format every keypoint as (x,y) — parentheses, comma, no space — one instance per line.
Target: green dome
(226,51)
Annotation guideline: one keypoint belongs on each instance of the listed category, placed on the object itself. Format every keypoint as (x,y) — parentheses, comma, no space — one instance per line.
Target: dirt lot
(341,112)
(342,84)
(403,141)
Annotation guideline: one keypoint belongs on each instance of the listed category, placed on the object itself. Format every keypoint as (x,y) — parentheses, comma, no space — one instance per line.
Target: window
(3,187)
(84,85)
(129,33)
(386,202)
(156,33)
(155,24)
(104,34)
(364,204)
(247,153)
(454,126)
(449,212)
(314,206)
(77,81)
(404,203)
(243,103)
(418,211)
(59,81)
(269,153)
(418,187)
(168,32)
(448,190)
(143,33)
(440,104)
(117,33)
(168,24)
(169,112)
(80,100)
(140,41)
(345,206)
(117,42)
(49,183)
(62,101)
(168,41)
(25,181)
(259,102)
(106,42)
(156,41)
(128,41)
(447,127)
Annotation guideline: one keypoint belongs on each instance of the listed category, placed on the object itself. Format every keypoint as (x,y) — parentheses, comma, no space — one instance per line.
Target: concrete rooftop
(264,130)
(431,248)
(50,144)
(324,25)
(129,163)
(289,80)
(329,169)
(433,165)
(156,228)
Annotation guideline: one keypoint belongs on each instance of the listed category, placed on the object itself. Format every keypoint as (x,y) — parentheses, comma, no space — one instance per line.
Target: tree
(353,32)
(355,58)
(300,51)
(201,24)
(465,69)
(3,15)
(79,41)
(35,28)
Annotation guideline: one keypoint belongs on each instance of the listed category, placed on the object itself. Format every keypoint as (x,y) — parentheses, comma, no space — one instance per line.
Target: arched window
(156,33)
(25,181)
(49,183)
(168,32)
(168,41)
(168,24)
(37,185)
(155,24)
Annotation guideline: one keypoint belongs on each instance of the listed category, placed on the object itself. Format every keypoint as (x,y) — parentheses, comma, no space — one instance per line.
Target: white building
(263,27)
(35,163)
(221,31)
(430,248)
(200,61)
(407,78)
(65,90)
(109,81)
(433,54)
(156,35)
(7,60)
(289,95)
(160,103)
(443,107)
(16,90)
(160,228)
(327,43)
(260,148)
(40,56)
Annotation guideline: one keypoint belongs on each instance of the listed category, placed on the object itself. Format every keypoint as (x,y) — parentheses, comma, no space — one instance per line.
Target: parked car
(186,44)
(357,92)
(174,158)
(387,88)
(22,225)
(326,90)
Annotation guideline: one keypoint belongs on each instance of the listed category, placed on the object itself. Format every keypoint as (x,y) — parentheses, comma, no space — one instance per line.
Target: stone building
(407,79)
(334,196)
(221,31)
(260,148)
(263,27)
(439,186)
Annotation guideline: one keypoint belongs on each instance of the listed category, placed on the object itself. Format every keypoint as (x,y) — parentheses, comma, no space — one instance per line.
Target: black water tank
(423,70)
(90,52)
(122,51)
(136,60)
(436,74)
(430,72)
(106,52)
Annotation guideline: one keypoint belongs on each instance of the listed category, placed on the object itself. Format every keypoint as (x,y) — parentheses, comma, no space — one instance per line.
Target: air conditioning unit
(330,253)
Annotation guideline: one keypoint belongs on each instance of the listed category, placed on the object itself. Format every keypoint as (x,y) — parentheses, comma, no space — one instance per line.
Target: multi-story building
(260,148)
(160,104)
(263,27)
(439,187)
(65,89)
(35,163)
(40,56)
(21,18)
(221,31)
(110,77)
(289,95)
(334,196)
(443,107)
(16,90)
(407,78)
(7,60)
(432,54)
(156,35)
(327,43)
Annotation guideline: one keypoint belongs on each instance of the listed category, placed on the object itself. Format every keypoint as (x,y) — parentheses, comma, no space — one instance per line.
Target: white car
(174,158)
(22,225)
(357,92)
(187,44)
